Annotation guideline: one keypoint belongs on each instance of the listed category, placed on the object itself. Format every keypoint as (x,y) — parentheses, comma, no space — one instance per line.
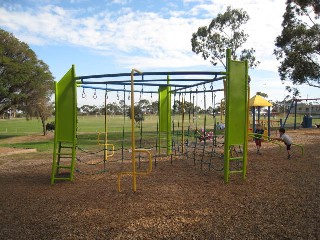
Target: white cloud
(145,38)
(122,2)
(148,32)
(172,60)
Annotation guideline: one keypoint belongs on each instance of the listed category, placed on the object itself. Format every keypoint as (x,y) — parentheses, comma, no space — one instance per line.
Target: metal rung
(236,158)
(240,171)
(60,178)
(65,147)
(61,166)
(64,154)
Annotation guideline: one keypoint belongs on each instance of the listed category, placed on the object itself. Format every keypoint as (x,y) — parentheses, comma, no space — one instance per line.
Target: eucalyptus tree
(298,46)
(26,82)
(225,31)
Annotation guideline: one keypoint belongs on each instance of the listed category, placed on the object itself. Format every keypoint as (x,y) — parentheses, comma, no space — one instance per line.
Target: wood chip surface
(280,198)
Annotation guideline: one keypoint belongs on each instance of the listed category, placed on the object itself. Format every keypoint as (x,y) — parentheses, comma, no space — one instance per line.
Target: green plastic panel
(66,105)
(237,101)
(164,108)
(236,113)
(165,116)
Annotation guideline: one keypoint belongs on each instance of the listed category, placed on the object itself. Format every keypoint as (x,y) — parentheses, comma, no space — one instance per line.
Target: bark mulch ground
(280,199)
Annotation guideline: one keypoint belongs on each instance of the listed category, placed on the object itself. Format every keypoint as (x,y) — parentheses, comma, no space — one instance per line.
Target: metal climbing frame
(236,91)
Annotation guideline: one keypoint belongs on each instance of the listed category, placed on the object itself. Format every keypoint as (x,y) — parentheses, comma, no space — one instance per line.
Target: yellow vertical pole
(133,144)
(245,145)
(182,127)
(105,128)
(221,109)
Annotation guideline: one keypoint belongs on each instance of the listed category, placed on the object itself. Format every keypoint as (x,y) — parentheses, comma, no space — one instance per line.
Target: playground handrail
(300,146)
(106,147)
(267,138)
(148,171)
(261,136)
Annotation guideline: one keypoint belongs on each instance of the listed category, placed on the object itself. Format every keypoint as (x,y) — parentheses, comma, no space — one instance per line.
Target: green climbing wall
(236,113)
(65,127)
(165,116)
(66,107)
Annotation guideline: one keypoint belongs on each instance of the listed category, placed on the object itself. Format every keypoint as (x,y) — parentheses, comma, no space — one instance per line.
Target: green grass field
(90,128)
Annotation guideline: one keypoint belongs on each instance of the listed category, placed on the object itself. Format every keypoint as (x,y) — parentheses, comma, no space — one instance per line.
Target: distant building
(313,110)
(304,109)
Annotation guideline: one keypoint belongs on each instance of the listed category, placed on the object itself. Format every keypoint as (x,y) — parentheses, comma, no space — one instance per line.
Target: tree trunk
(43,121)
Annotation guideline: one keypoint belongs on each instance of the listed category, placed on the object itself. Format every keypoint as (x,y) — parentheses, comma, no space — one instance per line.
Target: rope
(95,94)
(86,151)
(95,173)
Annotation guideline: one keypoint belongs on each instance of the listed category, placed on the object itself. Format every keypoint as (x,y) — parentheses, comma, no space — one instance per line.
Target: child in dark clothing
(258,137)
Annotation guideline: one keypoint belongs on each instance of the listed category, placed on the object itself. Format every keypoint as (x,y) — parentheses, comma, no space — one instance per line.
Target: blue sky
(112,36)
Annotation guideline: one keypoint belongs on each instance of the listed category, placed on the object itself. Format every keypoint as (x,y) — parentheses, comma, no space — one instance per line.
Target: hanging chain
(95,94)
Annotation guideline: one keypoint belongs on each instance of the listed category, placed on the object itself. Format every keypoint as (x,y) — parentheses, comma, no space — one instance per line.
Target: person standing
(286,139)
(258,133)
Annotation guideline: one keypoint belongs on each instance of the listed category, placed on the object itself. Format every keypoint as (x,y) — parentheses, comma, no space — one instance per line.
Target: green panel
(164,108)
(236,112)
(65,124)
(237,101)
(65,117)
(165,116)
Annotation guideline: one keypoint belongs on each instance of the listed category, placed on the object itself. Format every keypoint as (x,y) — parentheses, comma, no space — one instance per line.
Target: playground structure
(258,102)
(236,117)
(309,113)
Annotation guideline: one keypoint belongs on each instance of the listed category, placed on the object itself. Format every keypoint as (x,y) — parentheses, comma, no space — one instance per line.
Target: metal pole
(133,146)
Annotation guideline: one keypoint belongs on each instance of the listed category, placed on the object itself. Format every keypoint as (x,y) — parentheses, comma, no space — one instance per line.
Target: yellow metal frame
(106,145)
(134,172)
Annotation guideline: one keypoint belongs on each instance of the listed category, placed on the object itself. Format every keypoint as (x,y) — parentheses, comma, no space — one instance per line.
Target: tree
(177,107)
(88,109)
(154,107)
(138,114)
(144,105)
(224,32)
(293,92)
(298,46)
(312,3)
(25,81)
(262,94)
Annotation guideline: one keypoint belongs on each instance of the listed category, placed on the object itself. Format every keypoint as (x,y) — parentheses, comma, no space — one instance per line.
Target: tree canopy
(225,31)
(298,46)
(262,94)
(138,114)
(26,82)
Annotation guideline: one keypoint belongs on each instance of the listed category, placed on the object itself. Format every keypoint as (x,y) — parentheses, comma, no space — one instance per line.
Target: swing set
(166,84)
